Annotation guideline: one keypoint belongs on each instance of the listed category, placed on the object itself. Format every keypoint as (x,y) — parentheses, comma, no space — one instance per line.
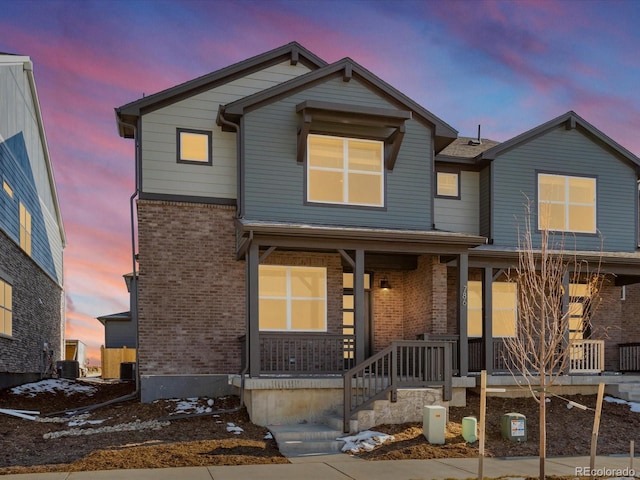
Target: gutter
(222,121)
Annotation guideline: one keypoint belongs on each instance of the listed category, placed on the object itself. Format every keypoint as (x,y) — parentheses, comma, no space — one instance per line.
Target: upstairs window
(194,146)
(6,313)
(293,299)
(25,229)
(346,171)
(566,204)
(7,188)
(448,184)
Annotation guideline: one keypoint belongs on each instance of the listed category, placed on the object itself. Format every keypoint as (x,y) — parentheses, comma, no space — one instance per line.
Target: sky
(506,65)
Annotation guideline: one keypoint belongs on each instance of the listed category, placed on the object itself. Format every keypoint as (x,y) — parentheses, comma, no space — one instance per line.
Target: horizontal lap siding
(160,171)
(460,215)
(485,202)
(274,180)
(566,152)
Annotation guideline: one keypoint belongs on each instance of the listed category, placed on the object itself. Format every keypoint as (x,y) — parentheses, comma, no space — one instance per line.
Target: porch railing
(453,340)
(305,353)
(585,356)
(629,357)
(401,364)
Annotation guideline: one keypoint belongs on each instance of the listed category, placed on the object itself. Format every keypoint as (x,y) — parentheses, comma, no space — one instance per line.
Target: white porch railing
(586,356)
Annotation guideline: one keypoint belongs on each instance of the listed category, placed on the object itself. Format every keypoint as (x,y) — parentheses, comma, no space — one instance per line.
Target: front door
(348,317)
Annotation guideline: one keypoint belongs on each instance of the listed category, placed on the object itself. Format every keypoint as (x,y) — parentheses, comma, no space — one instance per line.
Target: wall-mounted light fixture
(384,283)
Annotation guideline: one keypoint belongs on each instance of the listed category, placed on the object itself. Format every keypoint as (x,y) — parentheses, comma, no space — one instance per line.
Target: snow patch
(233,428)
(366,441)
(634,406)
(191,405)
(53,385)
(123,427)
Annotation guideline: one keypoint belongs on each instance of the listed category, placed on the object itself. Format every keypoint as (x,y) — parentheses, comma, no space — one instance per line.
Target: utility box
(470,429)
(514,427)
(434,423)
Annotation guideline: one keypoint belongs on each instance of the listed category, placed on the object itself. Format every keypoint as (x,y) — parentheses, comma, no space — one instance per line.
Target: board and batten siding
(162,174)
(460,215)
(275,181)
(25,170)
(566,152)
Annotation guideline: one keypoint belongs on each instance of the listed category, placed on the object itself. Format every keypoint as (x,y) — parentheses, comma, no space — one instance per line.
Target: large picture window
(346,171)
(504,311)
(6,312)
(293,298)
(566,204)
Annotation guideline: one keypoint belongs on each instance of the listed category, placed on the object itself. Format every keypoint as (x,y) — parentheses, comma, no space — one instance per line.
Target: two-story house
(298,219)
(31,233)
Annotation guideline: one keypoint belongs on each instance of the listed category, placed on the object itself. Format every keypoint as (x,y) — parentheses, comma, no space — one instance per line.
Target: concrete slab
(401,469)
(37,476)
(319,471)
(192,473)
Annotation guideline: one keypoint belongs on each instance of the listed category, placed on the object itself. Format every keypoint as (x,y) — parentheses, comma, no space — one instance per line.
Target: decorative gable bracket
(382,124)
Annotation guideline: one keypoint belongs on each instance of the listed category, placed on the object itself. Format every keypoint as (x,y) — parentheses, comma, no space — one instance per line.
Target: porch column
(487,330)
(358,298)
(463,296)
(566,298)
(253,341)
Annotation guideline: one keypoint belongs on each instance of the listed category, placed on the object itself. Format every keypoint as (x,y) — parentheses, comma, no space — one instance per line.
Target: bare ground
(206,441)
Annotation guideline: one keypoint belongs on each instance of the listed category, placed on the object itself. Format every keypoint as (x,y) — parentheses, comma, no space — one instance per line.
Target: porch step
(306,439)
(626,391)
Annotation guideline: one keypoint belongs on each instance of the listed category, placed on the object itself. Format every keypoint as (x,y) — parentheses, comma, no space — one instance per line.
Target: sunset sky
(508,66)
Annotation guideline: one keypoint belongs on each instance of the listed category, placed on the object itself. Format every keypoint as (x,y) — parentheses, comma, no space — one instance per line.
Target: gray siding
(275,182)
(24,167)
(567,152)
(119,333)
(485,202)
(460,215)
(160,171)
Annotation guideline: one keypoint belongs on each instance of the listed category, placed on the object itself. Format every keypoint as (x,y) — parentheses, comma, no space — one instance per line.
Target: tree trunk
(543,433)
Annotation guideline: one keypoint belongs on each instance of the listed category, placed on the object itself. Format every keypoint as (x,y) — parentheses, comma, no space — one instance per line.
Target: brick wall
(37,312)
(388,308)
(192,306)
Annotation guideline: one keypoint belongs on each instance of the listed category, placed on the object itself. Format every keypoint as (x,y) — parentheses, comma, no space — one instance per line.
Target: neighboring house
(31,233)
(296,218)
(119,329)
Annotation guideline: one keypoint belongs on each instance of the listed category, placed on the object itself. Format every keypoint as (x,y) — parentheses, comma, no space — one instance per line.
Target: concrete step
(335,422)
(306,439)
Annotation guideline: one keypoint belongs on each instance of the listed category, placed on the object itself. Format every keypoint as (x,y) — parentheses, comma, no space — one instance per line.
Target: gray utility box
(434,423)
(514,427)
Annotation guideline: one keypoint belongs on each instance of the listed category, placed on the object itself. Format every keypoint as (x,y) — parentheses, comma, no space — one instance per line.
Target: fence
(111,358)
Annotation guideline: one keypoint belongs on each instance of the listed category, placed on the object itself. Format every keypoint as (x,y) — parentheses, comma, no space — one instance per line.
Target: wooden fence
(111,358)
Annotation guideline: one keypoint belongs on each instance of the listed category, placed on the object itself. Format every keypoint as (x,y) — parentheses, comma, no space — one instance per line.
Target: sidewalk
(343,467)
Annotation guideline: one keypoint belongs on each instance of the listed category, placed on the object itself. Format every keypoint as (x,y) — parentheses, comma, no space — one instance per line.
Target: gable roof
(347,68)
(12,59)
(292,51)
(570,120)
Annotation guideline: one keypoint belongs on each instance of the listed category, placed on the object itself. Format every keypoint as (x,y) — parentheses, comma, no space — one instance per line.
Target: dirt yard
(230,439)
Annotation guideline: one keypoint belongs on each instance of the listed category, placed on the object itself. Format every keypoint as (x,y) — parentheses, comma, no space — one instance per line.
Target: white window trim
(567,203)
(345,171)
(447,195)
(288,298)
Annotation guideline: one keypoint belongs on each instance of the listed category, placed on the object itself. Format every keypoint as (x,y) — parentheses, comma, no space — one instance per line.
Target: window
(194,146)
(504,311)
(345,171)
(5,308)
(293,298)
(566,204)
(25,229)
(7,188)
(448,184)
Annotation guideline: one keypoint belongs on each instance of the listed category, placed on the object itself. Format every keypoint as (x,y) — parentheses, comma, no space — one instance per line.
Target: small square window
(194,146)
(448,184)
(7,188)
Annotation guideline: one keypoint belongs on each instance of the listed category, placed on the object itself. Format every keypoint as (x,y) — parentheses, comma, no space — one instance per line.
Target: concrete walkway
(344,467)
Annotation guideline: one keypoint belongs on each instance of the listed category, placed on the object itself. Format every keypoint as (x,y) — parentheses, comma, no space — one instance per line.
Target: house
(298,219)
(119,329)
(32,235)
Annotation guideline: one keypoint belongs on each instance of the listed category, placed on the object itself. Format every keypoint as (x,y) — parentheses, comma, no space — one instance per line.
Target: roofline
(349,68)
(28,68)
(293,51)
(572,120)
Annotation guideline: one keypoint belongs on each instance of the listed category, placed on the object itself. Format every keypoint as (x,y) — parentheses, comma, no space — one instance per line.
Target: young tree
(544,347)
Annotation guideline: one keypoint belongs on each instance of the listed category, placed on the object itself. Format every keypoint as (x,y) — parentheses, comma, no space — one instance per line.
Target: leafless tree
(543,348)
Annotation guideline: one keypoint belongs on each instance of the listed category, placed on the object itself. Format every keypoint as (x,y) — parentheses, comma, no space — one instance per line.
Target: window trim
(209,135)
(26,241)
(567,203)
(345,171)
(288,298)
(3,309)
(458,174)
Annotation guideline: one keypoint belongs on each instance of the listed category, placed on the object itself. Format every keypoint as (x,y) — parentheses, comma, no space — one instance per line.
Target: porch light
(384,283)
